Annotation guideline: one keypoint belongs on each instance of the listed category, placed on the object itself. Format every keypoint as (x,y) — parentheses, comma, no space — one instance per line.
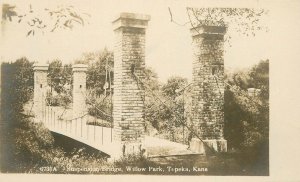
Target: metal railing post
(87,129)
(54,121)
(50,117)
(70,126)
(81,127)
(75,127)
(94,132)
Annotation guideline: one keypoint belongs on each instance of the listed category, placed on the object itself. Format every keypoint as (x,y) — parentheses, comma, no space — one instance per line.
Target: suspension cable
(181,122)
(78,117)
(103,112)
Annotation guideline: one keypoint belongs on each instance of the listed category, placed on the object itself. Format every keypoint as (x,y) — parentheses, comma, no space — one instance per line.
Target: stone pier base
(219,145)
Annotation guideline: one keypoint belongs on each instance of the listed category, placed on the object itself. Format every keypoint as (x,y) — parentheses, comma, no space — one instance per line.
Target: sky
(168,45)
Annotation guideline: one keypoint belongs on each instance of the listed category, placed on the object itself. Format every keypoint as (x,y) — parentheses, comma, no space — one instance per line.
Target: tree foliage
(16,89)
(46,20)
(18,78)
(8,12)
(59,76)
(60,82)
(246,116)
(245,21)
(100,67)
(165,108)
(173,85)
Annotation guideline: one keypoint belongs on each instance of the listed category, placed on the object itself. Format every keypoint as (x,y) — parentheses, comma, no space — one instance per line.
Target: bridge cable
(182,123)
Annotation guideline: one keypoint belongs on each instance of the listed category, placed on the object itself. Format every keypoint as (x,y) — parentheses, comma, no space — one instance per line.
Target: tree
(170,89)
(60,81)
(172,111)
(18,78)
(245,21)
(152,110)
(59,75)
(247,117)
(151,79)
(259,76)
(16,89)
(100,67)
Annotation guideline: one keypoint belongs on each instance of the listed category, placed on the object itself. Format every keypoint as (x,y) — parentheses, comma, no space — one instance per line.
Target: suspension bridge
(83,129)
(77,124)
(124,130)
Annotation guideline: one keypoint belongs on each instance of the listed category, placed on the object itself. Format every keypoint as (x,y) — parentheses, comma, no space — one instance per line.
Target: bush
(32,142)
(35,148)
(59,100)
(133,160)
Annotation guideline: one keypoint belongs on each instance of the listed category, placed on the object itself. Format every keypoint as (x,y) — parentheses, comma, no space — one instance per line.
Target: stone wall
(129,65)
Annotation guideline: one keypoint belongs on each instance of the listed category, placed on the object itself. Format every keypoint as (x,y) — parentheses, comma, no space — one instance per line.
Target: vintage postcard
(160,88)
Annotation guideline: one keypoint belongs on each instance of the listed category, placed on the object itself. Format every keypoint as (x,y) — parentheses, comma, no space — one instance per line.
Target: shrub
(134,160)
(59,100)
(35,148)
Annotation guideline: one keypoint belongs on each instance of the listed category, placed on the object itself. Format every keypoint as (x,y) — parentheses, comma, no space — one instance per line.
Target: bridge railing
(84,127)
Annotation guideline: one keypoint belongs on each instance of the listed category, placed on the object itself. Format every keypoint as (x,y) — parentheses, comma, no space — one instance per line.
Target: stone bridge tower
(79,90)
(40,90)
(208,88)
(129,65)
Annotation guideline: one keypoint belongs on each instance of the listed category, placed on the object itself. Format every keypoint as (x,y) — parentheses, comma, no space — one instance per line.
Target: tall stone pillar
(208,90)
(79,90)
(40,90)
(129,65)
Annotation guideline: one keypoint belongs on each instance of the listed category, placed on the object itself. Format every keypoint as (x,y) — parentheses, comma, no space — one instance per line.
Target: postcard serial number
(47,169)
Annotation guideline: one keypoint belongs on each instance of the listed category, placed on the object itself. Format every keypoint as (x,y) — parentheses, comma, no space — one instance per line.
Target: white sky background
(168,46)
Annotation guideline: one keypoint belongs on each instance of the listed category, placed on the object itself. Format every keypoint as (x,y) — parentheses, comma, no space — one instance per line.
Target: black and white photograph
(160,88)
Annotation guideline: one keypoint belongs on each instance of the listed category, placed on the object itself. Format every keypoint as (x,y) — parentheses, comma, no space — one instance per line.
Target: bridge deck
(161,147)
(100,138)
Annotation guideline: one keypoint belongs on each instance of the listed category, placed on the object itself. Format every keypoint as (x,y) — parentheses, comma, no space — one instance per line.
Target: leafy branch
(62,17)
